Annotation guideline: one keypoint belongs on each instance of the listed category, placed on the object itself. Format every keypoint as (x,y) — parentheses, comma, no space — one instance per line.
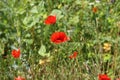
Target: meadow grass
(92,26)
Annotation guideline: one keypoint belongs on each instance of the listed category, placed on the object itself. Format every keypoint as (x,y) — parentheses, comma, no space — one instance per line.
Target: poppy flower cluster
(16,53)
(50,20)
(103,77)
(56,37)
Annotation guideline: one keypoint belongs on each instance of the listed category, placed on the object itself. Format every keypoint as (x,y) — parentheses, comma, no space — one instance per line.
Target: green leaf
(107,57)
(27,20)
(74,20)
(31,21)
(91,55)
(42,51)
(28,41)
(77,2)
(57,13)
(34,10)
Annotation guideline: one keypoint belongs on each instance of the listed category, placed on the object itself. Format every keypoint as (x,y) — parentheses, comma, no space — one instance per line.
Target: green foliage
(22,26)
(42,51)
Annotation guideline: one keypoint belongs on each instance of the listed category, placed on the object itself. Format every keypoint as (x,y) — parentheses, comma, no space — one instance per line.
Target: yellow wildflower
(107,47)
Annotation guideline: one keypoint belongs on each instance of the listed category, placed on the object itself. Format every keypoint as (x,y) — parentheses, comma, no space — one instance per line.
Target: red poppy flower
(74,55)
(16,53)
(50,20)
(94,9)
(19,78)
(59,37)
(103,77)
